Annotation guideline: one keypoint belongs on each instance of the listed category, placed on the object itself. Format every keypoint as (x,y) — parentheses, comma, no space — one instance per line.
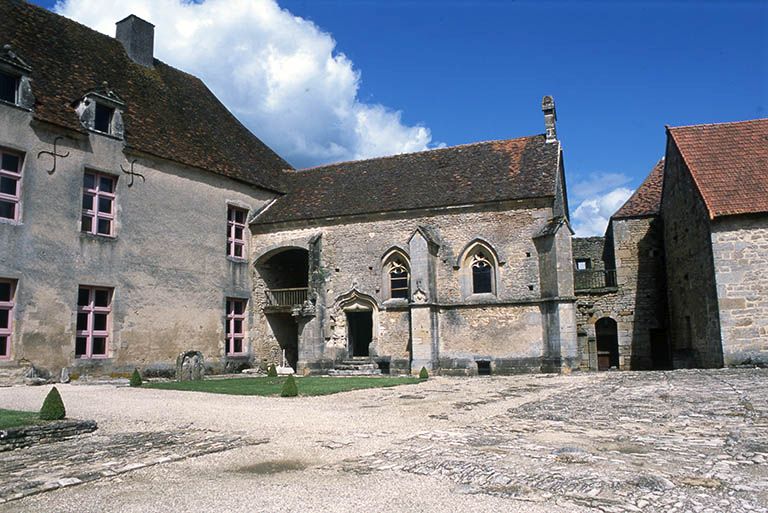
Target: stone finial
(138,38)
(550,118)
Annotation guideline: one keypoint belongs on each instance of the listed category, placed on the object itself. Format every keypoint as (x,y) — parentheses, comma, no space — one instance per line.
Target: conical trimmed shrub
(53,406)
(272,371)
(423,374)
(289,388)
(136,378)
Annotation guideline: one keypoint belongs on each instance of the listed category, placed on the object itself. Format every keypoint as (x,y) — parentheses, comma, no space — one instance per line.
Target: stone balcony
(285,299)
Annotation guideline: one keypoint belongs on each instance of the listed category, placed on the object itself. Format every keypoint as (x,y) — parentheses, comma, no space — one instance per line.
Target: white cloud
(591,216)
(278,73)
(595,184)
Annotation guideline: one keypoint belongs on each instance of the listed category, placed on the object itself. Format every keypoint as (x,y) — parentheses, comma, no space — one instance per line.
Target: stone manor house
(139,219)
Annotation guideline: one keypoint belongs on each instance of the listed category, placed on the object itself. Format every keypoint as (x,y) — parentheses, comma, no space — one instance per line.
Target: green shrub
(272,371)
(136,378)
(289,388)
(423,374)
(53,406)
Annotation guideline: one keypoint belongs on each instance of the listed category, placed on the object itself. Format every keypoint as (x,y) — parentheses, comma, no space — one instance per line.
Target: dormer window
(15,86)
(9,87)
(102,121)
(101,111)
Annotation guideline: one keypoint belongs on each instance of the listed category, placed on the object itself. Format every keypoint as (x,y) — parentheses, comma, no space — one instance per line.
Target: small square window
(102,121)
(9,87)
(583,264)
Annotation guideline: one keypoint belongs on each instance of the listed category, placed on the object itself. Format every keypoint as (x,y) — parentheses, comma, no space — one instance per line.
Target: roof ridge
(429,150)
(721,123)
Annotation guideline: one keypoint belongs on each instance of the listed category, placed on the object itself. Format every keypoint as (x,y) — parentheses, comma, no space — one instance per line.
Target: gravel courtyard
(675,441)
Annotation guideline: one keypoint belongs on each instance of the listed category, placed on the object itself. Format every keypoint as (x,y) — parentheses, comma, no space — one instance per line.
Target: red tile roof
(729,164)
(646,201)
(460,175)
(168,113)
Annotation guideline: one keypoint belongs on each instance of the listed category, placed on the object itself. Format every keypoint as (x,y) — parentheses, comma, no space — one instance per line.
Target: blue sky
(406,75)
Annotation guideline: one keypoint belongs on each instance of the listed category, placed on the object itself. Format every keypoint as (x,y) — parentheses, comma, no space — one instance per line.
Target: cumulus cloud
(280,74)
(591,216)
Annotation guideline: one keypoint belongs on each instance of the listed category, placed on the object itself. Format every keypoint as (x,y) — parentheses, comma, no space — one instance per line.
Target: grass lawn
(310,385)
(13,418)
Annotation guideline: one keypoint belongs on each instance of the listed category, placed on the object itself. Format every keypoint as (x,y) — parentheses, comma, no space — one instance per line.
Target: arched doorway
(360,312)
(285,273)
(607,336)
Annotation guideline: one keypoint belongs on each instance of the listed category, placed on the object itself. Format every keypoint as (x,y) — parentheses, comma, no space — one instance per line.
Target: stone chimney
(138,38)
(550,118)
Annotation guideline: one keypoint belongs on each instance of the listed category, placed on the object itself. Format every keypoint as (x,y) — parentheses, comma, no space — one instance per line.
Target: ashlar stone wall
(740,251)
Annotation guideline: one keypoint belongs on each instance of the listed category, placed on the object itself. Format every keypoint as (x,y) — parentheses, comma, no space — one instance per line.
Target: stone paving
(672,442)
(90,457)
(657,441)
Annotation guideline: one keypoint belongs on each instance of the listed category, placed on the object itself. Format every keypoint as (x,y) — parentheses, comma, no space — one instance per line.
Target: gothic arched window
(482,273)
(398,279)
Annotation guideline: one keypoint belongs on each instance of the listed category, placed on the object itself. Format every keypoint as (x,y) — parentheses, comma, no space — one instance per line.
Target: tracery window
(482,273)
(398,279)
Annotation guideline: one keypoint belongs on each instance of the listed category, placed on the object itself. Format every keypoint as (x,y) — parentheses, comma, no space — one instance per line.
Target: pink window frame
(90,333)
(231,335)
(233,241)
(8,331)
(14,175)
(97,194)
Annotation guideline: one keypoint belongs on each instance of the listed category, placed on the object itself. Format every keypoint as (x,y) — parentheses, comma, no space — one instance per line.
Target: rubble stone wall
(166,264)
(352,262)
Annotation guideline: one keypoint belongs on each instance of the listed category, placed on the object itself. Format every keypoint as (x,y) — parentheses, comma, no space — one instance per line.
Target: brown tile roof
(460,175)
(646,201)
(168,113)
(729,164)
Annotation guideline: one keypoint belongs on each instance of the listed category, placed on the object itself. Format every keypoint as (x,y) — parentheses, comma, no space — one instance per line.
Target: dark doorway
(286,331)
(483,368)
(607,344)
(660,354)
(360,332)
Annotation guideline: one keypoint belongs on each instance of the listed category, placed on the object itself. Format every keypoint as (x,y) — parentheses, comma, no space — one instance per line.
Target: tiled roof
(646,201)
(168,113)
(729,164)
(460,175)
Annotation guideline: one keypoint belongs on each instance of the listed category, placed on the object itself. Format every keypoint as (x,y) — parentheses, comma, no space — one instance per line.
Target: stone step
(352,372)
(360,366)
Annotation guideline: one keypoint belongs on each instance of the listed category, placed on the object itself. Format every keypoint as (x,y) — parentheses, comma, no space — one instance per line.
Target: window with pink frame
(98,216)
(94,312)
(7,290)
(10,184)
(235,329)
(236,232)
